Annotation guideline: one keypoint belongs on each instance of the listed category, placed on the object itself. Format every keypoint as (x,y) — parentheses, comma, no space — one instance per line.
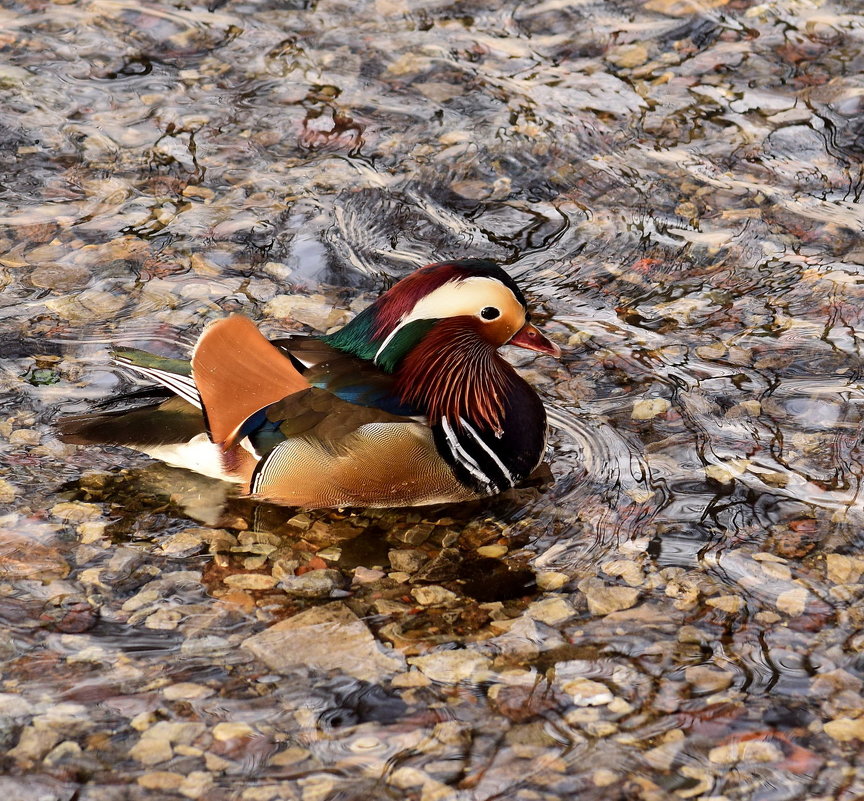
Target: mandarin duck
(406,405)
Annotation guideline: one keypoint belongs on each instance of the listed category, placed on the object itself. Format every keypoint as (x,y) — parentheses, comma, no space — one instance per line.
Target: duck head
(472,299)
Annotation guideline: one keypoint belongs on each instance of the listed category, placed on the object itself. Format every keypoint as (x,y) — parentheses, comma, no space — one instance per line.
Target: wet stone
(628,56)
(151,751)
(727,603)
(63,277)
(161,780)
(7,491)
(164,619)
(34,743)
(231,731)
(845,730)
(186,690)
(76,511)
(586,692)
(492,551)
(184,543)
(407,560)
(650,407)
(197,784)
(551,580)
(793,602)
(745,751)
(603,599)
(452,667)
(444,567)
(329,637)
(251,581)
(67,750)
(434,595)
(416,535)
(314,584)
(207,646)
(707,680)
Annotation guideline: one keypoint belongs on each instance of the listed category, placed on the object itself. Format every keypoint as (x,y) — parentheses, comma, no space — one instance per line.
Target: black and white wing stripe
(182,385)
(472,457)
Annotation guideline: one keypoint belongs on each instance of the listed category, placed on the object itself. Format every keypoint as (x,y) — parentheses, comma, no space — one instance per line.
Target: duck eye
(490,313)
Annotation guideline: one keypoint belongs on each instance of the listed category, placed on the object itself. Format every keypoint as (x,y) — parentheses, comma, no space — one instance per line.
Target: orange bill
(532,338)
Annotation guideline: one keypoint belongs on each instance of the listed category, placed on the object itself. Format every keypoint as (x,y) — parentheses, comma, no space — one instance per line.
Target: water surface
(676,184)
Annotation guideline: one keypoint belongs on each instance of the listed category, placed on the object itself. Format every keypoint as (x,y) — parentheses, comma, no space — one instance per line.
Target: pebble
(406,777)
(63,277)
(452,667)
(186,690)
(845,729)
(433,595)
(844,569)
(551,581)
(76,511)
(706,679)
(647,408)
(33,743)
(745,751)
(314,584)
(7,491)
(14,706)
(24,436)
(66,749)
(407,560)
(315,311)
(550,611)
(184,543)
(662,756)
(232,731)
(793,602)
(164,620)
(586,692)
(413,678)
(197,784)
(416,535)
(492,551)
(603,599)
(627,56)
(161,780)
(91,305)
(92,531)
(603,777)
(251,581)
(292,755)
(151,751)
(208,646)
(626,569)
(727,603)
(364,575)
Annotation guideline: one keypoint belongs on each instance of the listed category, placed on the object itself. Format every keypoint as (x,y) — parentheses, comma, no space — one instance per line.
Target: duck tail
(170,422)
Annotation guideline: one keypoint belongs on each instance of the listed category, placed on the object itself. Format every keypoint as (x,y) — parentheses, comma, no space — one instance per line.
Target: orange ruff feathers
(237,372)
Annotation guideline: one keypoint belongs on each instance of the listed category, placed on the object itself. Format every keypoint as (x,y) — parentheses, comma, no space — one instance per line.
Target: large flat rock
(329,637)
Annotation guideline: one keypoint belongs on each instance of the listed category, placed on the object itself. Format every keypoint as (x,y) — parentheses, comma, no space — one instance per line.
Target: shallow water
(676,184)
